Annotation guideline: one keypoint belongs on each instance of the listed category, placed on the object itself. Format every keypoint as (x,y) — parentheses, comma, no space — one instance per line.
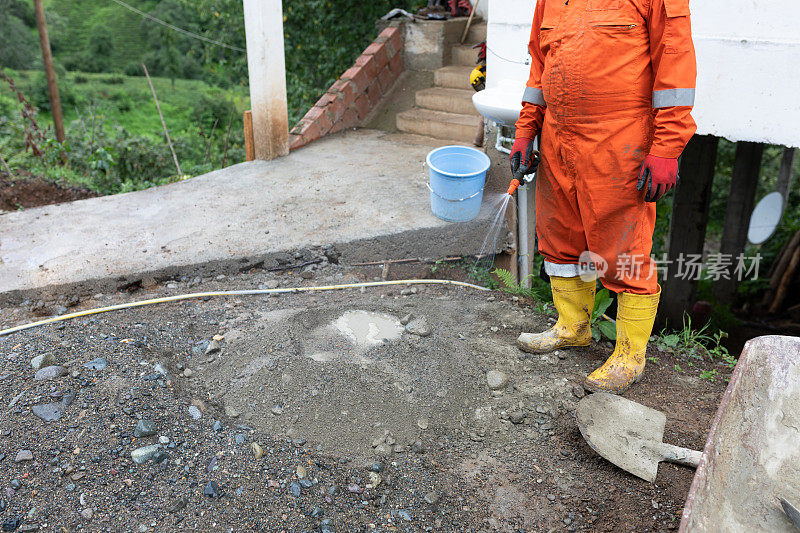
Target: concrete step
(449,100)
(477,33)
(463,54)
(438,124)
(454,77)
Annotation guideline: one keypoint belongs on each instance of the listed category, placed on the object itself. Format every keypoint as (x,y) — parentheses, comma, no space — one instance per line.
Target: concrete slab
(363,191)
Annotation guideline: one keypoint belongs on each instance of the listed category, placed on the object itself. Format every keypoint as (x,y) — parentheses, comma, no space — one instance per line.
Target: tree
(18,46)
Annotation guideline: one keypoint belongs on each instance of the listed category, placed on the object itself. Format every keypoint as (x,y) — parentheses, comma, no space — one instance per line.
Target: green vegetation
(602,326)
(115,141)
(697,344)
(540,293)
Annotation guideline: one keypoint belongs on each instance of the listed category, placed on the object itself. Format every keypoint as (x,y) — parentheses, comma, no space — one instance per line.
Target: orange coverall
(611,81)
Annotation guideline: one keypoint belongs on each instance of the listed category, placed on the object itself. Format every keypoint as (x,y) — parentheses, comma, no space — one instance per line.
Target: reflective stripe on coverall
(611,81)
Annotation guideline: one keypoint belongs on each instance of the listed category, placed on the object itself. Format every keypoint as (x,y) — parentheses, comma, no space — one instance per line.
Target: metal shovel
(791,511)
(629,435)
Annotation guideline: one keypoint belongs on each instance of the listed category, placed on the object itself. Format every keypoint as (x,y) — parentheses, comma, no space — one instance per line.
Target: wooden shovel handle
(681,456)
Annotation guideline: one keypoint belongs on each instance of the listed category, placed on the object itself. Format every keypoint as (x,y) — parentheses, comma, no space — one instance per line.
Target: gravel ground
(284,423)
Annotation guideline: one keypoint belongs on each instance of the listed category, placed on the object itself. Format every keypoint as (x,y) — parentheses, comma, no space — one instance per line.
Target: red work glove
(660,174)
(522,156)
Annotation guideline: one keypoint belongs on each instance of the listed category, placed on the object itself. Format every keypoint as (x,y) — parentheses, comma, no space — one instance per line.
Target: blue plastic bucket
(457,177)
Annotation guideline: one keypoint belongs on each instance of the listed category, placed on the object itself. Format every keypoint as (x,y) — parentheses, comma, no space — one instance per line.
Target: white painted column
(263,25)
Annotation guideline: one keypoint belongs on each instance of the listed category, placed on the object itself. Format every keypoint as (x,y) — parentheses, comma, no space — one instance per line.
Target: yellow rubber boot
(635,316)
(574,301)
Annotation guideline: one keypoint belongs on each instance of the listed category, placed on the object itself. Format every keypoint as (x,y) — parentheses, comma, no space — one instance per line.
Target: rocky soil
(282,414)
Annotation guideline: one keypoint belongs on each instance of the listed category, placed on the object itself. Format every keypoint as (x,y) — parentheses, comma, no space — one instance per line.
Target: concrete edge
(453,240)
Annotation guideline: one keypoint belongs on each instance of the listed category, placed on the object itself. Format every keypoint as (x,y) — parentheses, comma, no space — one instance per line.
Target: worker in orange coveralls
(611,90)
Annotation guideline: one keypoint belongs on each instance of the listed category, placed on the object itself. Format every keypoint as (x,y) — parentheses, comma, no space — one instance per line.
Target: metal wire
(526,62)
(180,30)
(454,199)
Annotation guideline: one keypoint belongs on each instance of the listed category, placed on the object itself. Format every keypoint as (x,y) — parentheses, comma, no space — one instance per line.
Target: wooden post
(263,25)
(785,174)
(687,232)
(49,71)
(249,146)
(746,170)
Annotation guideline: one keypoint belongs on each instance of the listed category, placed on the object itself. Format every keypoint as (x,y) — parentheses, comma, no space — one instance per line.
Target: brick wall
(356,92)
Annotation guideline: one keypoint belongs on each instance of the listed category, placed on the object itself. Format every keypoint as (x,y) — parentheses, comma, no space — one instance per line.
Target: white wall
(507,34)
(483,8)
(748,56)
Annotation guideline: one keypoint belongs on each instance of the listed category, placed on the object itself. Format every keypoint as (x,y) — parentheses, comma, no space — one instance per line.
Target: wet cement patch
(366,328)
(344,378)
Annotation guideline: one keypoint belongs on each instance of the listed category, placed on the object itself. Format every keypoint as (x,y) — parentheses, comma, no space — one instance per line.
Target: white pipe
(523,196)
(498,145)
(522,235)
(244,292)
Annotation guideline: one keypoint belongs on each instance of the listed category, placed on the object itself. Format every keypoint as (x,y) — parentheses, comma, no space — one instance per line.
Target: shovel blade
(625,433)
(791,511)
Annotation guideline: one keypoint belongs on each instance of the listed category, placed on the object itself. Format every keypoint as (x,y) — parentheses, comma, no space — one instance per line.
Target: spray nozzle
(513,186)
(519,179)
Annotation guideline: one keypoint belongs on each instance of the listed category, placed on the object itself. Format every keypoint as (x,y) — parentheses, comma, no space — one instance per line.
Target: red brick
(374,93)
(296,141)
(396,66)
(362,106)
(358,76)
(372,48)
(326,99)
(336,109)
(394,41)
(337,127)
(390,32)
(350,119)
(325,124)
(347,93)
(337,86)
(313,114)
(312,132)
(385,79)
(300,126)
(368,64)
(378,50)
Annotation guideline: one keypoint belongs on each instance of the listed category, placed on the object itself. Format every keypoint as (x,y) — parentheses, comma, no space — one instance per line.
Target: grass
(696,343)
(115,139)
(130,104)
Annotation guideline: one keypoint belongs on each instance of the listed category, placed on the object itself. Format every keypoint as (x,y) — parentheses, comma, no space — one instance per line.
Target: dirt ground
(358,433)
(34,192)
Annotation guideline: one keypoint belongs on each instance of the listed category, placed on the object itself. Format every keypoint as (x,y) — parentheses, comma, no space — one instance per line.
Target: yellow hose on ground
(250,292)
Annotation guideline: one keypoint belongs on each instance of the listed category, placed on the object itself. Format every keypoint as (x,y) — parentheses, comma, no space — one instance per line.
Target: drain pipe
(498,145)
(523,196)
(522,211)
(522,235)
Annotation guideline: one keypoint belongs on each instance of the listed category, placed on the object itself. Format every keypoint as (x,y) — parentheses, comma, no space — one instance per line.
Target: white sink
(501,103)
